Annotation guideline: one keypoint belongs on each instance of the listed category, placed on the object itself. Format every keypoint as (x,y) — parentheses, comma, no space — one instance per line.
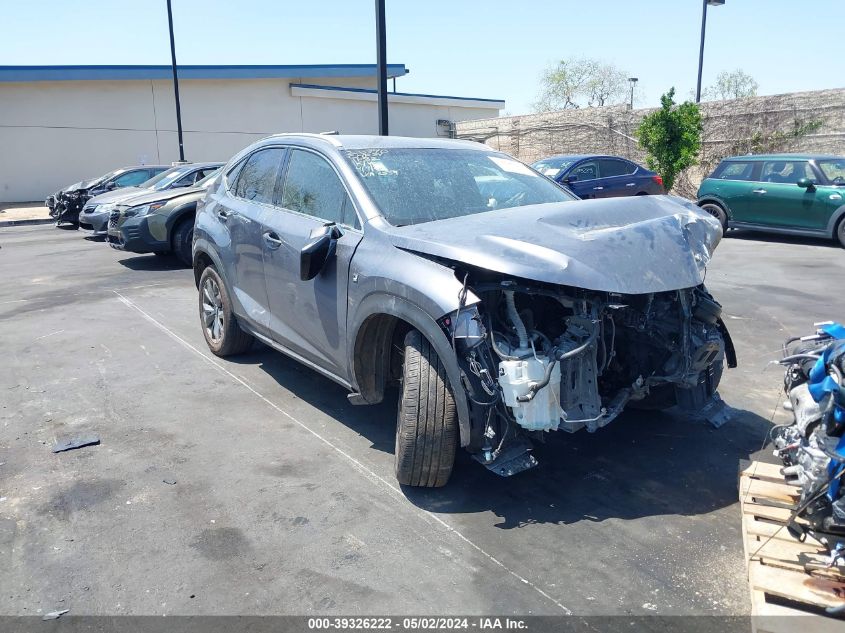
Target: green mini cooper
(781,193)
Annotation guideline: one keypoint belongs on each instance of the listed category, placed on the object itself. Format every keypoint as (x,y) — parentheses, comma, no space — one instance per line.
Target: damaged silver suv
(500,305)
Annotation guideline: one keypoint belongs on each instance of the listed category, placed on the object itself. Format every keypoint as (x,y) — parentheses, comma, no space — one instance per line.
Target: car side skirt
(287,352)
(784,230)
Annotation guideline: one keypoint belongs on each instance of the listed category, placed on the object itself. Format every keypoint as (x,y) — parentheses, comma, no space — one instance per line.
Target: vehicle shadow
(643,464)
(95,238)
(152,262)
(375,422)
(777,238)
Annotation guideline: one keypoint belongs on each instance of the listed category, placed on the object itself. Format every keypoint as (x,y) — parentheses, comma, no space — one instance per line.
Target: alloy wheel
(212,309)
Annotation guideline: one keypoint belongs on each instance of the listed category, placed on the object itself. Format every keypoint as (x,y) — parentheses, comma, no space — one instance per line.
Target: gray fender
(180,212)
(202,246)
(392,305)
(834,220)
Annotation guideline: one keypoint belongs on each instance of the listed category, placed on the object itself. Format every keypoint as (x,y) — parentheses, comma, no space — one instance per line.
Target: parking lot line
(382,483)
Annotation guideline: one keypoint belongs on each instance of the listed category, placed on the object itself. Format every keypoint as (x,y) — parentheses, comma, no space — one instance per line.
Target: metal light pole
(712,3)
(175,83)
(381,67)
(633,81)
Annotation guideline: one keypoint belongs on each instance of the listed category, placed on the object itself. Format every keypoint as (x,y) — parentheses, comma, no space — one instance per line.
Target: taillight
(658,180)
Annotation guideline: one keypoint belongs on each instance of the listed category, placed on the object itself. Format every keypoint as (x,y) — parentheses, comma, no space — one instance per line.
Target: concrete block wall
(730,127)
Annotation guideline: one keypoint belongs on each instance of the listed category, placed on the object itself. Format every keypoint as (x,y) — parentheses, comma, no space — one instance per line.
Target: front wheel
(840,232)
(219,324)
(427,424)
(183,237)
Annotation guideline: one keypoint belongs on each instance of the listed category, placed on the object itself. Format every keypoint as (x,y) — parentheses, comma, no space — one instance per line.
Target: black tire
(182,241)
(220,328)
(717,211)
(427,424)
(840,232)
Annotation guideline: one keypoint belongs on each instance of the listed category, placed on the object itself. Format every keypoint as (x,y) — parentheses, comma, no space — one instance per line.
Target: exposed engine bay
(536,358)
(812,448)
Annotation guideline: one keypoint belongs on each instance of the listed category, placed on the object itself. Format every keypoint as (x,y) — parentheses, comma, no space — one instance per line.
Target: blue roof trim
(106,73)
(404,94)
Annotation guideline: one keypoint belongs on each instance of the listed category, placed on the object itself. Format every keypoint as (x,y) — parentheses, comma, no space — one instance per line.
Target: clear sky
(489,48)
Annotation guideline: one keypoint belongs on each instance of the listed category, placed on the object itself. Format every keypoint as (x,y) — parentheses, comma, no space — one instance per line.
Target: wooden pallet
(777,576)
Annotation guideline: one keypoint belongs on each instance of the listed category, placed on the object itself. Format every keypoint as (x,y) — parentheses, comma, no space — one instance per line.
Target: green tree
(671,136)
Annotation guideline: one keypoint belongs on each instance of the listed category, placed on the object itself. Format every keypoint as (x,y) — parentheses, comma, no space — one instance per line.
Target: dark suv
(160,222)
(497,304)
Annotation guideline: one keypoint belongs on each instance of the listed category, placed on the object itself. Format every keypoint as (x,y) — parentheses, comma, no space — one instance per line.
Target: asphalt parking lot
(284,499)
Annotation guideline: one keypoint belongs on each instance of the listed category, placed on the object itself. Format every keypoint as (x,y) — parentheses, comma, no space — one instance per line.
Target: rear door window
(256,180)
(734,170)
(786,171)
(615,167)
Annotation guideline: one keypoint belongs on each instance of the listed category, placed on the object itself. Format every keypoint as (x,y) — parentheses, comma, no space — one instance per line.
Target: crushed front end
(536,357)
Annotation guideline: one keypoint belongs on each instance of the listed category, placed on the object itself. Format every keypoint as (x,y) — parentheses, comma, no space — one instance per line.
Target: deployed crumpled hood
(145,197)
(117,195)
(631,245)
(83,184)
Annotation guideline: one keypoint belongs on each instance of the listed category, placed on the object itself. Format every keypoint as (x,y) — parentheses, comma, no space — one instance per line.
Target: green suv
(161,222)
(799,194)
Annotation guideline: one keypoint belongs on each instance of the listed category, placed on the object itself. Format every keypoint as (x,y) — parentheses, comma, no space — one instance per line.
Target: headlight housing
(144,209)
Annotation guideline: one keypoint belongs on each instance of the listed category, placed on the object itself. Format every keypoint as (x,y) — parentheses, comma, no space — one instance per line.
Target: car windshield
(105,177)
(552,167)
(166,178)
(833,170)
(205,182)
(413,185)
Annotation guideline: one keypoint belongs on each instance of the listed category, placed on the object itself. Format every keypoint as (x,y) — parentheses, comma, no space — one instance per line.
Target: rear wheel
(183,236)
(219,324)
(427,424)
(717,212)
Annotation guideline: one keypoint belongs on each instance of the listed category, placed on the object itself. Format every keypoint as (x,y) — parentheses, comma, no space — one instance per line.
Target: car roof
(369,141)
(784,157)
(574,157)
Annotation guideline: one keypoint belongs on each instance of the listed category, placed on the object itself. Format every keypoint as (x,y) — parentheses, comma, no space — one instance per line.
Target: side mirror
(569,179)
(317,251)
(111,186)
(806,183)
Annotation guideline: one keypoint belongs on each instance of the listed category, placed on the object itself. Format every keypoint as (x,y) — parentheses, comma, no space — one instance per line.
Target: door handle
(758,191)
(272,240)
(224,214)
(631,184)
(597,188)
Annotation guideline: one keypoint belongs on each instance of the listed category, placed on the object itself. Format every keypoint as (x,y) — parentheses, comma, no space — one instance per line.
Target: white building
(62,124)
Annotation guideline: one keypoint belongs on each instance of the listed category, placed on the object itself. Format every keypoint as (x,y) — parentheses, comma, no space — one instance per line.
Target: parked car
(160,222)
(799,194)
(377,261)
(68,202)
(601,176)
(95,213)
